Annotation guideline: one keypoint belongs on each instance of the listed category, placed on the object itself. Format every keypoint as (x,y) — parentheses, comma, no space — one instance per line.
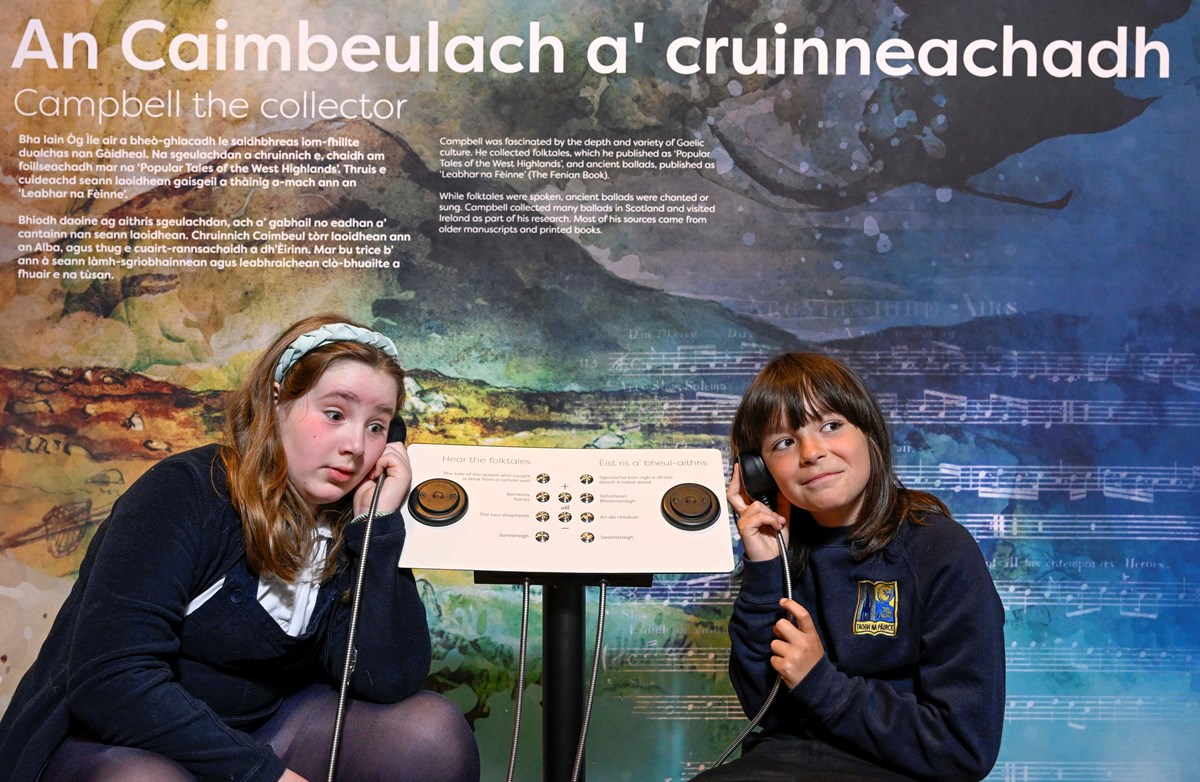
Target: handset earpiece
(397,431)
(757,480)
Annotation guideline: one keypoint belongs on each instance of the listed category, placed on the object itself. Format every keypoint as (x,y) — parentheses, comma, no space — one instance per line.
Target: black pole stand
(563,636)
(563,679)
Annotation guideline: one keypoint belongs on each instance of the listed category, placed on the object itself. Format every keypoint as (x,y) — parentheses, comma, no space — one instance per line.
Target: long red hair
(277,523)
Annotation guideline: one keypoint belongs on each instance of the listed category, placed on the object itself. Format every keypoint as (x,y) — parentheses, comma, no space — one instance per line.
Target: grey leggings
(421,739)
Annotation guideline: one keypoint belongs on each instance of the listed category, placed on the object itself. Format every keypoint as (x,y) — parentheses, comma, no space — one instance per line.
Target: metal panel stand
(563,678)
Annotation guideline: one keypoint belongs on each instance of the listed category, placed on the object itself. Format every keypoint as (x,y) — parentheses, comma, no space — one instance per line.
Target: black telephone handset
(758,484)
(397,431)
(756,479)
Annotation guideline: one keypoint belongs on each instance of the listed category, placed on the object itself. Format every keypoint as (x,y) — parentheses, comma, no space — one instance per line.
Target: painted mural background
(1008,261)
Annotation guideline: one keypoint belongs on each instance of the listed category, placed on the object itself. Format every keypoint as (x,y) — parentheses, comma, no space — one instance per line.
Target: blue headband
(333,332)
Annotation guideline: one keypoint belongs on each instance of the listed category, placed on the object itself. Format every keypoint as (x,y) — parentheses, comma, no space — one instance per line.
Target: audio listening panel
(564,510)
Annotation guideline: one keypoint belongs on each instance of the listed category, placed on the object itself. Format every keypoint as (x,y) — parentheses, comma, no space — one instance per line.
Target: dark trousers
(775,759)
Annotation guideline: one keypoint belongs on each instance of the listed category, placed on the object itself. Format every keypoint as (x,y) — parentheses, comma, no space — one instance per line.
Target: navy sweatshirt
(913,673)
(123,662)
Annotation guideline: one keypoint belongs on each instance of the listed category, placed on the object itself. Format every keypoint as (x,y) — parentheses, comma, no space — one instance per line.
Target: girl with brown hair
(890,657)
(208,626)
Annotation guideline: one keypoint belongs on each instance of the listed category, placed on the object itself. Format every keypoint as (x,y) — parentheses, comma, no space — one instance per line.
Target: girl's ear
(275,392)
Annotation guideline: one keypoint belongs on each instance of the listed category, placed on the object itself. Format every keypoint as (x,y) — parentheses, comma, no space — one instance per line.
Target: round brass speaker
(437,502)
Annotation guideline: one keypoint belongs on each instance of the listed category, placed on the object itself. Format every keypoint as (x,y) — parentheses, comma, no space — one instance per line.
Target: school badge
(875,613)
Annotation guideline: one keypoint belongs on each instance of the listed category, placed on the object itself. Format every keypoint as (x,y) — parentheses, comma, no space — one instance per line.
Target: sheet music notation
(1074,711)
(703,409)
(1078,711)
(1079,659)
(937,407)
(1035,771)
(1029,481)
(1109,771)
(1131,599)
(1178,369)
(686,707)
(1046,658)
(1051,526)
(707,409)
(656,659)
(708,591)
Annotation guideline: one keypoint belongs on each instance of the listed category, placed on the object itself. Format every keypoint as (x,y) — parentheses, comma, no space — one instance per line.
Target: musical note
(1140,603)
(1022,485)
(1123,484)
(1082,605)
(942,405)
(1077,722)
(1098,368)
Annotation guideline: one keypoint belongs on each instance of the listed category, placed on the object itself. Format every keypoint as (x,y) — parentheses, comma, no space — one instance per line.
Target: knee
(436,720)
(149,769)
(434,729)
(123,764)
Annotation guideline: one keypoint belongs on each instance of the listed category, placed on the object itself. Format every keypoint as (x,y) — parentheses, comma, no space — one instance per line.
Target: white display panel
(560,510)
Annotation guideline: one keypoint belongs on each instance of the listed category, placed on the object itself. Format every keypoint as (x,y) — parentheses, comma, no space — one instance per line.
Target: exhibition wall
(589,225)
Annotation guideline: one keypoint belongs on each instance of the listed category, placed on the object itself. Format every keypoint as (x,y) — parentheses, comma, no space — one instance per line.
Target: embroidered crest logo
(875,613)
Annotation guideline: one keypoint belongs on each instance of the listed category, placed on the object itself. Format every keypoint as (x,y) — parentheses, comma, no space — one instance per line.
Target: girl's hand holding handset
(797,647)
(394,461)
(757,524)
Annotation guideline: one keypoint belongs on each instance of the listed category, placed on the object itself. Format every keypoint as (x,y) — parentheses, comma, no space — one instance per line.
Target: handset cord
(512,754)
(351,651)
(587,709)
(787,588)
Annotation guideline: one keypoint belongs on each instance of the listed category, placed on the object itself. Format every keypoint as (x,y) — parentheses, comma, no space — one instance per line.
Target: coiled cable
(787,588)
(352,633)
(591,692)
(512,754)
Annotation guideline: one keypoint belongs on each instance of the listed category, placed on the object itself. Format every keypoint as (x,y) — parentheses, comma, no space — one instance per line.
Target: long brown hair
(276,521)
(796,389)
